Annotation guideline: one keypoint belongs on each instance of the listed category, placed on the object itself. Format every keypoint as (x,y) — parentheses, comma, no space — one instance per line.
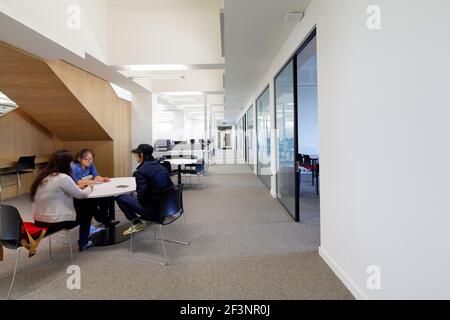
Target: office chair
(198,169)
(309,165)
(168,166)
(24,165)
(170,210)
(11,226)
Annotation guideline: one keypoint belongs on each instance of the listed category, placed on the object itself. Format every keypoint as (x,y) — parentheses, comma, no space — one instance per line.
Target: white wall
(383,126)
(49,18)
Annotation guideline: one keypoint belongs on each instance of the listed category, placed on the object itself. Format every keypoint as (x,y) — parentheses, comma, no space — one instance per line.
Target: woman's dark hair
(59,162)
(83,153)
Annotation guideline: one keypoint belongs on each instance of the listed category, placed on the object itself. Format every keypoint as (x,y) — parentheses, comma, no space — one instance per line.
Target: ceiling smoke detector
(293,16)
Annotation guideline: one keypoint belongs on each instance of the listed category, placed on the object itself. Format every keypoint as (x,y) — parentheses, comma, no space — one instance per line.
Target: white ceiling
(254,33)
(29,40)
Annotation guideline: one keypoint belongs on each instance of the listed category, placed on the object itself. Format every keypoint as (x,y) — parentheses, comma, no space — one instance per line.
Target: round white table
(116,187)
(179,162)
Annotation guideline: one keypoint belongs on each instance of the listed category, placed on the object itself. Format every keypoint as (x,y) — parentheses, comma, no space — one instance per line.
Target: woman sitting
(52,195)
(84,173)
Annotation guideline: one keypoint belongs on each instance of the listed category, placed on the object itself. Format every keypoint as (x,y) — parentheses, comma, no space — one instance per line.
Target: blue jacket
(151,177)
(78,172)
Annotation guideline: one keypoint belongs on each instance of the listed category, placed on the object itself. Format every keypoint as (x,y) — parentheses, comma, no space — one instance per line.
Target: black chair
(167,165)
(24,165)
(309,165)
(170,210)
(198,169)
(10,236)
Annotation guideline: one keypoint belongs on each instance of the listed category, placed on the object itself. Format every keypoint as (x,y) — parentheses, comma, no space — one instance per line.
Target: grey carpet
(244,246)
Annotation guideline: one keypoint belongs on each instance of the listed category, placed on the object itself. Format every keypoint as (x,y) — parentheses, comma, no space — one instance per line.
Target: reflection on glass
(240,141)
(308,133)
(263,137)
(250,128)
(284,95)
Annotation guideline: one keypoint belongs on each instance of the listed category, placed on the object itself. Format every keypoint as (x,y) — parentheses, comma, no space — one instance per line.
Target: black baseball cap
(143,148)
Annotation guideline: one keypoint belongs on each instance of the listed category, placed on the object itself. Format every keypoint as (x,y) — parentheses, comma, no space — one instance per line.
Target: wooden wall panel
(61,106)
(111,112)
(32,84)
(103,153)
(20,135)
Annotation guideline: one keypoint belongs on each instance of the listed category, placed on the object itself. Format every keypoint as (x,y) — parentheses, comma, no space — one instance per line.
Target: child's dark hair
(83,153)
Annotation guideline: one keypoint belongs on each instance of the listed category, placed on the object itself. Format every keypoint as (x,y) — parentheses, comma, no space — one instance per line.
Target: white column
(141,120)
(178,125)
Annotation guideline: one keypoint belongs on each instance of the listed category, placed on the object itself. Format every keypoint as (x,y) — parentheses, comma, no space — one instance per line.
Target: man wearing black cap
(151,177)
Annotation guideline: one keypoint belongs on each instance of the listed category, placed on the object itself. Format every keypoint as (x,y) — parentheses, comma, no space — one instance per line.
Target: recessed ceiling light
(293,16)
(157,67)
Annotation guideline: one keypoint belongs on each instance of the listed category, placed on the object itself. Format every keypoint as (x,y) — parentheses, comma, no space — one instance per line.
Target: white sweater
(53,201)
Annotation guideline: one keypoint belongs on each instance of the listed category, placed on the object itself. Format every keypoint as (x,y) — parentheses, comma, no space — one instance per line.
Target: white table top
(111,189)
(180,161)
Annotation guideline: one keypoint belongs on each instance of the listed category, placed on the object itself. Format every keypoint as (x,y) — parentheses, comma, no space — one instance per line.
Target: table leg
(179,174)
(113,234)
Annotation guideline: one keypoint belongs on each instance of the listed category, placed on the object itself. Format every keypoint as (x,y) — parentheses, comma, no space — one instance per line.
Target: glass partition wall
(296,111)
(240,141)
(250,142)
(308,133)
(284,106)
(263,137)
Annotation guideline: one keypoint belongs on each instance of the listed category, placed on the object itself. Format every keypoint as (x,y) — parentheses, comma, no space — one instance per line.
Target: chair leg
(19,186)
(50,247)
(15,272)
(69,242)
(131,243)
(163,246)
(188,242)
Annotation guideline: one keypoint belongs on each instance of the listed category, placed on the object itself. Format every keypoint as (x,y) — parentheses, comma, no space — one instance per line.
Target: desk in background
(6,165)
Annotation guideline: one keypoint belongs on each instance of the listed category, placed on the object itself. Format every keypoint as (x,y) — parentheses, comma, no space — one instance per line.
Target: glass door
(308,133)
(250,145)
(285,124)
(263,137)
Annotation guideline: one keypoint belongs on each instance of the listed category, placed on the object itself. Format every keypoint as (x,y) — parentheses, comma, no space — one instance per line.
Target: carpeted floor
(244,246)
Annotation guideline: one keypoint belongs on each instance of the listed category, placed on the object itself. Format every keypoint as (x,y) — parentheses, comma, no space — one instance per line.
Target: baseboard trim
(354,289)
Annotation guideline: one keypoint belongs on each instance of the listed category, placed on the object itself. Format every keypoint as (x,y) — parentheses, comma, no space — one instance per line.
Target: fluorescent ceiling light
(190,105)
(183,93)
(175,100)
(157,77)
(157,67)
